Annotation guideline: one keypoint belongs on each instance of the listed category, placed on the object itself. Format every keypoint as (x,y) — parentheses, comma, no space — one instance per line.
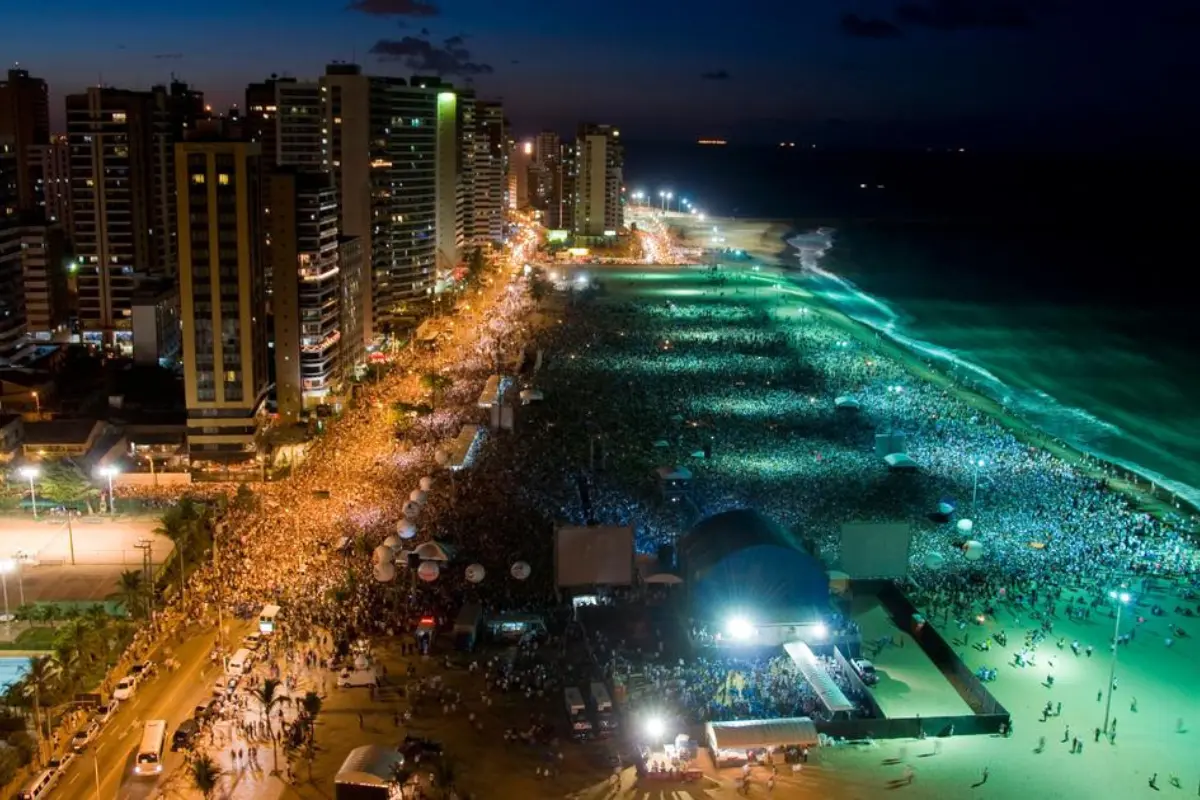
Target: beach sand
(765,242)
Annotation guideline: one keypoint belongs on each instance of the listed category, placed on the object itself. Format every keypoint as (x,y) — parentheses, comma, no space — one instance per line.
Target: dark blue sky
(979,72)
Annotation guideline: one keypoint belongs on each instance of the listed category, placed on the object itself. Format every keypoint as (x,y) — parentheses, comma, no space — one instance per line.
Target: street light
(109,472)
(31,472)
(1122,598)
(976,465)
(37,401)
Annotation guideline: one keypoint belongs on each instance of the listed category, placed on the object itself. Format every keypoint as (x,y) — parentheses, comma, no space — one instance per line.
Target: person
(1154,781)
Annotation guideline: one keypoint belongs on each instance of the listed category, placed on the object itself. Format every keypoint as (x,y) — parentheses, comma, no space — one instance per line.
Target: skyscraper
(54,165)
(307,299)
(490,188)
(599,162)
(123,203)
(12,296)
(222,300)
(25,120)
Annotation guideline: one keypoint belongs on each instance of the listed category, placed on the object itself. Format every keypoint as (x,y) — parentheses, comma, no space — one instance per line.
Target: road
(169,696)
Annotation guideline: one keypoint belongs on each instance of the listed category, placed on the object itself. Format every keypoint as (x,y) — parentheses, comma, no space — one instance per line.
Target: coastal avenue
(345,465)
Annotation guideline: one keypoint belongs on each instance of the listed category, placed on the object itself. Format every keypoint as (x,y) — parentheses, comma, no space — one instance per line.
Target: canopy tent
(369,765)
(434,551)
(531,395)
(900,462)
(822,684)
(462,450)
(672,474)
(737,736)
(847,403)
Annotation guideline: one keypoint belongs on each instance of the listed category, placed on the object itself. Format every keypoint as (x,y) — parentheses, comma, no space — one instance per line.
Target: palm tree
(206,774)
(40,680)
(72,644)
(310,704)
(269,697)
(132,591)
(179,529)
(401,775)
(435,383)
(445,773)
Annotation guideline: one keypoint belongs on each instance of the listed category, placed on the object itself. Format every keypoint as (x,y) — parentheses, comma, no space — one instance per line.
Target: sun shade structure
(900,462)
(847,403)
(766,734)
(369,765)
(822,684)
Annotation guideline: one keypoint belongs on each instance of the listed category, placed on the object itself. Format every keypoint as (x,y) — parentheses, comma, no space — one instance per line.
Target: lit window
(223,179)
(197,177)
(118,116)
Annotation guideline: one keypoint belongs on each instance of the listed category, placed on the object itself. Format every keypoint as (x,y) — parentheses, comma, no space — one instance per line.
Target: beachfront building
(599,161)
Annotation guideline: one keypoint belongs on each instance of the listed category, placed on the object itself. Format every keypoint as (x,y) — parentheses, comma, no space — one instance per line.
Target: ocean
(1058,284)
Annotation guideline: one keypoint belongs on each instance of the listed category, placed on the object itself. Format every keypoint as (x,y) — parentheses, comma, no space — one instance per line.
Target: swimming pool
(11,668)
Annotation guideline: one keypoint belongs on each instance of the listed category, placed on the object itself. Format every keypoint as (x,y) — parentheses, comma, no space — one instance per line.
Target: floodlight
(739,628)
(655,727)
(819,630)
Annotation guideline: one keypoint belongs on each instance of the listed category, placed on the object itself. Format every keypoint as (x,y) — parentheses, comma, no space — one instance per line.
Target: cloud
(395,8)
(962,15)
(855,26)
(422,55)
(716,75)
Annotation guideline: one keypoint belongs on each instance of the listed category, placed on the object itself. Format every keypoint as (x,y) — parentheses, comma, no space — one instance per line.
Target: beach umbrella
(973,550)
(965,525)
(405,529)
(417,496)
(426,483)
(441,457)
(698,454)
(429,571)
(392,541)
(662,443)
(945,508)
(411,510)
(475,573)
(934,560)
(384,572)
(382,555)
(520,570)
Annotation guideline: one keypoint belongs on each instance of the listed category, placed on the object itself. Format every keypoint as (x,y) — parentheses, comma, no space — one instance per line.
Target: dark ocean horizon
(1059,283)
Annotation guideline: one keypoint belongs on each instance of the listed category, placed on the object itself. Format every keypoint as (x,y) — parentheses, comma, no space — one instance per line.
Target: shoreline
(756,239)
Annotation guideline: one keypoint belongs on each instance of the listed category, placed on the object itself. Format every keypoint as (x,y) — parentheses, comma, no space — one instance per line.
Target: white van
(39,786)
(581,726)
(240,662)
(605,717)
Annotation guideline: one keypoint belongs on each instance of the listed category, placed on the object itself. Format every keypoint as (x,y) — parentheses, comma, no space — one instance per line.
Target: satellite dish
(965,525)
(385,573)
(520,570)
(426,483)
(405,529)
(973,550)
(475,573)
(429,571)
(383,555)
(934,560)
(392,541)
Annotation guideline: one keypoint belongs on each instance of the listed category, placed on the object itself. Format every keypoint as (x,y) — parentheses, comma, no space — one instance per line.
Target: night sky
(992,72)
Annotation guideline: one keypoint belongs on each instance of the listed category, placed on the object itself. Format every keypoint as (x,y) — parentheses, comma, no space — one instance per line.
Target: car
(225,686)
(865,670)
(350,678)
(184,735)
(104,713)
(60,763)
(252,641)
(209,709)
(142,671)
(125,688)
(84,735)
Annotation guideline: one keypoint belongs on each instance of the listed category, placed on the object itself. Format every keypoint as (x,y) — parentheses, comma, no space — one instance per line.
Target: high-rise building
(547,161)
(185,109)
(302,138)
(8,179)
(490,179)
(307,298)
(222,300)
(352,270)
(562,207)
(12,290)
(25,119)
(44,276)
(599,162)
(122,203)
(54,164)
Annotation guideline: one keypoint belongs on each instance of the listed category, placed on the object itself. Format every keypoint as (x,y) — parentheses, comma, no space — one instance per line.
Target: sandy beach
(765,242)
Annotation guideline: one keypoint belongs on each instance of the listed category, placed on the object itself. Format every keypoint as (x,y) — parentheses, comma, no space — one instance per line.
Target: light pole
(37,401)
(109,472)
(667,205)
(662,199)
(31,472)
(977,464)
(96,768)
(6,566)
(1122,598)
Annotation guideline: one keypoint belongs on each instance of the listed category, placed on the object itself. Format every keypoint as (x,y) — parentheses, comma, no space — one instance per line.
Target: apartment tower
(598,162)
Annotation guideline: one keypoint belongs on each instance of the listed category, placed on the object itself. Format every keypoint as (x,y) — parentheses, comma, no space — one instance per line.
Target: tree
(41,679)
(310,704)
(401,774)
(269,698)
(63,483)
(244,499)
(131,589)
(180,529)
(445,774)
(73,648)
(435,383)
(539,287)
(205,775)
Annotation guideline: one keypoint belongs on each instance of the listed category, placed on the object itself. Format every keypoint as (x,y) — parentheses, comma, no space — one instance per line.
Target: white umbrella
(476,573)
(426,483)
(429,571)
(520,570)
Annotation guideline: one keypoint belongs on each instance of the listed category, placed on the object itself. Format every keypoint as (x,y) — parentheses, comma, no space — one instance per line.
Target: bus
(150,751)
(266,620)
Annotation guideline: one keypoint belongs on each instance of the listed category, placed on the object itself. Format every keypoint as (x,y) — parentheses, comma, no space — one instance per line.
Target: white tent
(730,741)
(900,461)
(847,403)
(434,551)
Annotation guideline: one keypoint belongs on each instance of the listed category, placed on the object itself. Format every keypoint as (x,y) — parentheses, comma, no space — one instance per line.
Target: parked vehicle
(185,734)
(104,713)
(84,736)
(865,670)
(125,688)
